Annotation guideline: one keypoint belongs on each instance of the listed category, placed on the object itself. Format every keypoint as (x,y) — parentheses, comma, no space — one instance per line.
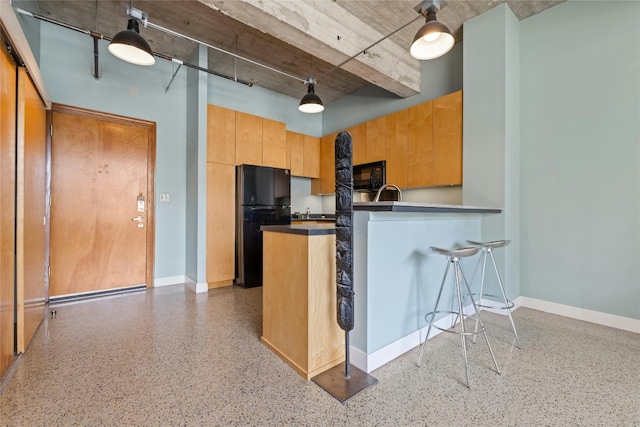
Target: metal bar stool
(453,258)
(487,249)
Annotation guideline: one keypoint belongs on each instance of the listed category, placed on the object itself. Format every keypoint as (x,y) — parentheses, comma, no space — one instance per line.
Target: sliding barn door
(102,233)
(30,220)
(7,205)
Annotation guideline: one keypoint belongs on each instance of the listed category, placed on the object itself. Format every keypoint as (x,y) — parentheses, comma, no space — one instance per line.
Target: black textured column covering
(344,230)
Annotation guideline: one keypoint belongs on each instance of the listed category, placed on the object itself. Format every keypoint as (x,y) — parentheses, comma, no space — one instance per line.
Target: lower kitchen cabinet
(221,225)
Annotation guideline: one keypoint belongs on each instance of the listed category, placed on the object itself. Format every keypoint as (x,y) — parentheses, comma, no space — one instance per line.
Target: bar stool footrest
(492,298)
(429,316)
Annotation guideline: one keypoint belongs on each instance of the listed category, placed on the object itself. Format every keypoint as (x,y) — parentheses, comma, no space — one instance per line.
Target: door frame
(151,168)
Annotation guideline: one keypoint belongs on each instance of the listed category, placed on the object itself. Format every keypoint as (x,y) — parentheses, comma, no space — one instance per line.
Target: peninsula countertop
(304,229)
(420,207)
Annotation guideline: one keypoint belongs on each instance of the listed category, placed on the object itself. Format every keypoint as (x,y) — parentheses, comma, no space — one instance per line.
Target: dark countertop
(329,218)
(304,229)
(420,207)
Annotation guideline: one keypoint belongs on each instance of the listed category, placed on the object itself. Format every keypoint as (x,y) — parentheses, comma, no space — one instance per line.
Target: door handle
(138,218)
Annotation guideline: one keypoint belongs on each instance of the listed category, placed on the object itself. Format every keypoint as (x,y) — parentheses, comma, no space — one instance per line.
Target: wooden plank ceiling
(302,38)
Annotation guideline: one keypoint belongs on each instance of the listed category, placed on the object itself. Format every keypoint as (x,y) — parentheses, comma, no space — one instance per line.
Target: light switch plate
(164,197)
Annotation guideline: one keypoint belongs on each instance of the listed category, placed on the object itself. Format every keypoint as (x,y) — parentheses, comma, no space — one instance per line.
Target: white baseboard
(611,320)
(168,281)
(372,361)
(198,288)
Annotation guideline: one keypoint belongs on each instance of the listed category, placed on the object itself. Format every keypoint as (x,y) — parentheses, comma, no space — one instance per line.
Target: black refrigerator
(263,198)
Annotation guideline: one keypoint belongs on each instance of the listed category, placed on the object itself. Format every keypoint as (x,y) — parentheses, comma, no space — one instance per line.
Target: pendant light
(434,39)
(311,103)
(130,46)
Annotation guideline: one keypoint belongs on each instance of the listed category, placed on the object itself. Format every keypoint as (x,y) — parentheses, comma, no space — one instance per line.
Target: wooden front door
(102,224)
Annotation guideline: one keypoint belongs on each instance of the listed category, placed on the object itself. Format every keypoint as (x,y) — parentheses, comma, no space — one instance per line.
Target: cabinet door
(221,185)
(396,148)
(375,135)
(420,145)
(447,139)
(274,144)
(326,184)
(359,140)
(221,135)
(311,156)
(248,139)
(295,142)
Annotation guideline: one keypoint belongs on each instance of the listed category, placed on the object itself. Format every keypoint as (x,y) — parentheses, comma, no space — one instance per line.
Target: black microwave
(369,176)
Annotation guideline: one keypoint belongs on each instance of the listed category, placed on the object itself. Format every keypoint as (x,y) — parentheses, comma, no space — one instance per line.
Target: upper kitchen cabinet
(326,184)
(359,141)
(311,156)
(396,148)
(304,155)
(274,144)
(447,139)
(420,145)
(248,139)
(375,140)
(221,135)
(295,144)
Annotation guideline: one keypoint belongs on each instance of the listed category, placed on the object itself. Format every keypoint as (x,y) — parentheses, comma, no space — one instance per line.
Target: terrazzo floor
(169,357)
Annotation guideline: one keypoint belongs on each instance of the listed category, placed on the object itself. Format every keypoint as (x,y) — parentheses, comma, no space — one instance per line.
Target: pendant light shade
(433,40)
(130,46)
(311,103)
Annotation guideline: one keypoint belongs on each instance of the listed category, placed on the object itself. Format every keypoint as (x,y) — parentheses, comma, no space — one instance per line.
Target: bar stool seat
(489,301)
(453,258)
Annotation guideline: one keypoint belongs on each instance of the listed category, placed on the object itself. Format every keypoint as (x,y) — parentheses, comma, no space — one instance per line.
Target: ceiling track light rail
(98,36)
(133,12)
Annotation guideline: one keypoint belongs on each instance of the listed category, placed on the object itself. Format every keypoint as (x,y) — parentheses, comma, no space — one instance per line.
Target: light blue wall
(196,190)
(397,277)
(580,159)
(65,61)
(30,26)
(491,134)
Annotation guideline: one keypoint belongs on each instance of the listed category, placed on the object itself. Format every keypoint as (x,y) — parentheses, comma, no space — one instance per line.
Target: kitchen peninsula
(396,278)
(299,297)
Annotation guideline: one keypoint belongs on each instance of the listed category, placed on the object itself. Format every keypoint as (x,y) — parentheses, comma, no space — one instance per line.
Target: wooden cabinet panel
(375,136)
(248,139)
(420,145)
(295,142)
(274,144)
(359,140)
(396,148)
(299,302)
(326,184)
(447,139)
(221,225)
(311,156)
(221,135)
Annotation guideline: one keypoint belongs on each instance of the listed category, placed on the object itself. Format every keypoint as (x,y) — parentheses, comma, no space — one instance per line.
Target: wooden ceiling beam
(329,32)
